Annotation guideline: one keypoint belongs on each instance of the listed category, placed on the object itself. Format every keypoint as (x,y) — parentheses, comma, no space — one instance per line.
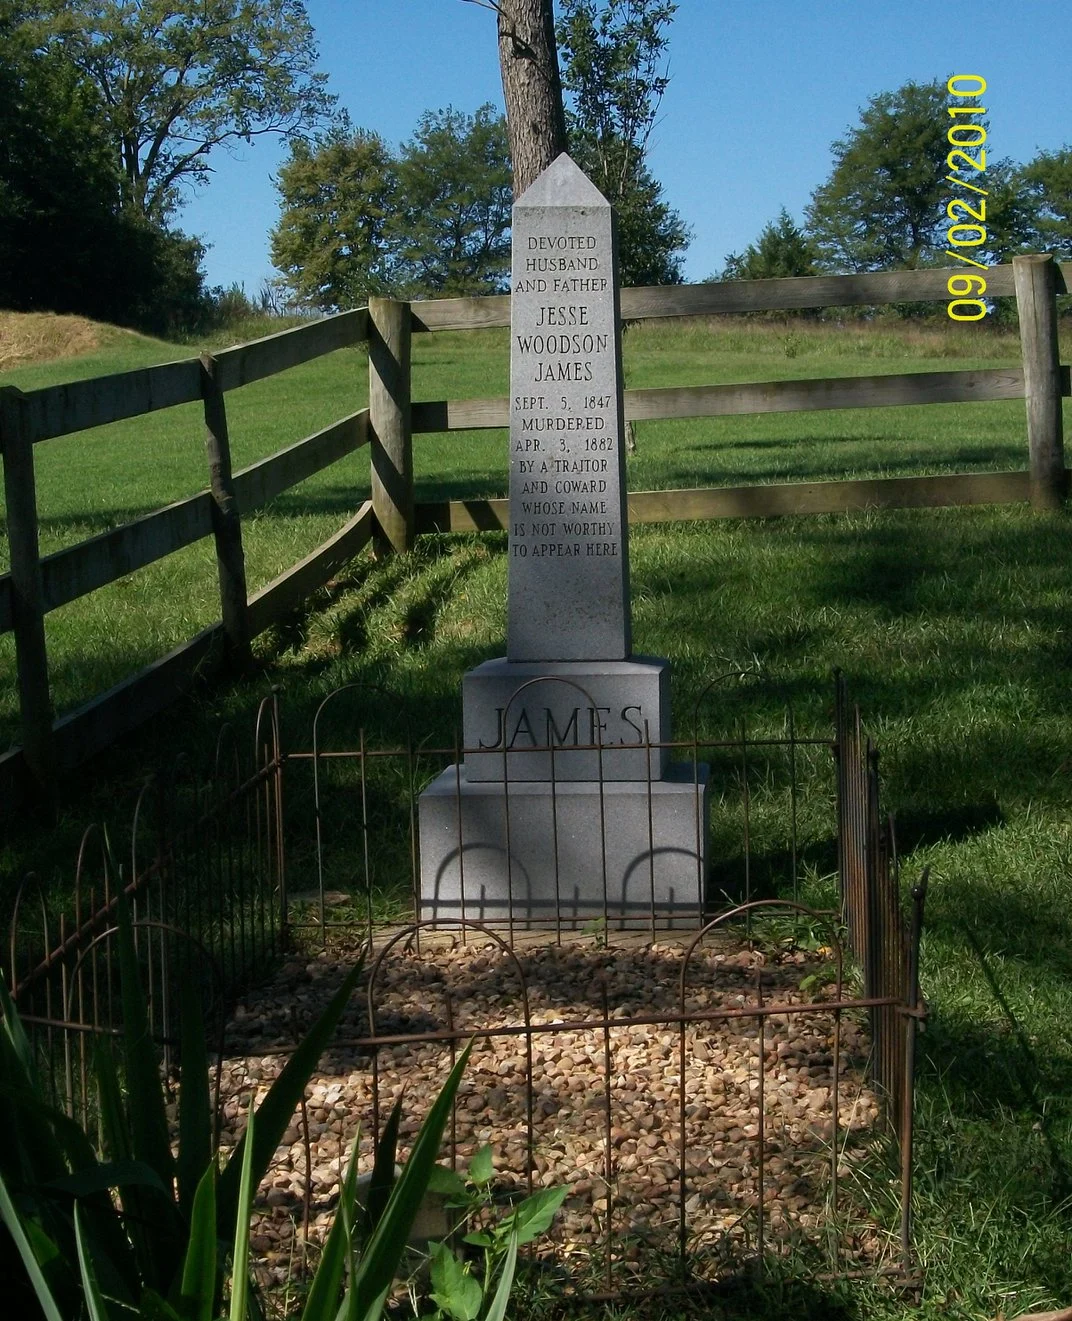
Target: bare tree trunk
(528,59)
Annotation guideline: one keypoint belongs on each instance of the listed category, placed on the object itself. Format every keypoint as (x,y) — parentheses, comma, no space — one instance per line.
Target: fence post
(226,521)
(389,423)
(27,592)
(1035,278)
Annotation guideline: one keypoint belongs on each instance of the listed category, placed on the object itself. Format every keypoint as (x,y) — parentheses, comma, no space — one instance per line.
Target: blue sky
(758,93)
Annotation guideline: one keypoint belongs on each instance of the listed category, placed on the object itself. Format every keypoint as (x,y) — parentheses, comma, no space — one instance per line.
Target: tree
(356,220)
(883,206)
(179,78)
(612,61)
(454,189)
(334,242)
(1044,187)
(66,242)
(532,87)
(782,249)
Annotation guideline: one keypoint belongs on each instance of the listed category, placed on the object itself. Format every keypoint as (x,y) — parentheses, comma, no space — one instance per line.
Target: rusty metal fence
(741,1088)
(203,876)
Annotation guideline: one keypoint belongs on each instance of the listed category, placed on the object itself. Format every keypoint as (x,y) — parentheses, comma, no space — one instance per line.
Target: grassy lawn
(954,628)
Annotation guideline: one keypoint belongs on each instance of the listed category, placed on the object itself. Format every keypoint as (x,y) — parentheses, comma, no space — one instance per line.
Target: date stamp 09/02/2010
(968,214)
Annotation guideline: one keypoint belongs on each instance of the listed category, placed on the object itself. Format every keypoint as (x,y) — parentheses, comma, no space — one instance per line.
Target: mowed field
(97,479)
(953,627)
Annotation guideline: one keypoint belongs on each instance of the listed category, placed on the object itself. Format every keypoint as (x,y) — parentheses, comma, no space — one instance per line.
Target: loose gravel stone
(613,1135)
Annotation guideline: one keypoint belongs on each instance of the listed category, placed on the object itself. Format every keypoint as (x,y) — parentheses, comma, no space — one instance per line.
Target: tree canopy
(782,249)
(179,78)
(884,203)
(66,242)
(358,220)
(613,73)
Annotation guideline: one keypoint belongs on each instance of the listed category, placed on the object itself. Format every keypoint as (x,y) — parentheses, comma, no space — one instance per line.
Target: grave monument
(565,803)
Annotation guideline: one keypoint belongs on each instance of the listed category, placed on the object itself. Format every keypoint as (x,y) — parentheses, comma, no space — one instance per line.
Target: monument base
(531,852)
(618,709)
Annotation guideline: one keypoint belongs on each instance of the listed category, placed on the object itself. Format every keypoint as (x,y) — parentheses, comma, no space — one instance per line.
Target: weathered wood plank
(82,733)
(883,391)
(77,570)
(226,518)
(729,296)
(1036,305)
(263,481)
(290,589)
(462,516)
(27,593)
(773,501)
(460,414)
(390,422)
(245,363)
(461,313)
(759,397)
(57,410)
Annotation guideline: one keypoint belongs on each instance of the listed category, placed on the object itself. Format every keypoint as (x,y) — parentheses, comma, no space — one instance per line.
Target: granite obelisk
(566,804)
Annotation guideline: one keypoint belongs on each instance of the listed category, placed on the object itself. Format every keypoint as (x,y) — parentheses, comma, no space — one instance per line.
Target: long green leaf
(113,1118)
(240,1255)
(148,1114)
(497,1310)
(16,1035)
(384,1250)
(99,1178)
(383,1173)
(199,1269)
(277,1108)
(195,1109)
(324,1290)
(10,1218)
(94,1301)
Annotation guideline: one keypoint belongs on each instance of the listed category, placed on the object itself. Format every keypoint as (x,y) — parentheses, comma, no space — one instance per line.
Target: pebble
(571,1093)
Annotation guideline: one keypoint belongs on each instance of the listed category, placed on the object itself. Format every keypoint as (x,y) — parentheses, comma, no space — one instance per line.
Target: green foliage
(357,221)
(157,1239)
(883,207)
(612,55)
(454,194)
(333,243)
(66,242)
(1045,187)
(456,1292)
(782,249)
(179,78)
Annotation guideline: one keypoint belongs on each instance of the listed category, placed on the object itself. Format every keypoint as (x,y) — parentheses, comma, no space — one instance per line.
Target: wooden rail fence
(37,584)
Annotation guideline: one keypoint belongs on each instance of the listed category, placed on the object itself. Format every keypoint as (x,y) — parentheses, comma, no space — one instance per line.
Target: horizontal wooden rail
(290,589)
(245,363)
(90,728)
(732,296)
(87,730)
(761,397)
(263,481)
(59,410)
(771,501)
(77,570)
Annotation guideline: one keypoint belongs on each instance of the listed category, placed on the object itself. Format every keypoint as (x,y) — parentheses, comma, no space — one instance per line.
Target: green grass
(96,479)
(954,628)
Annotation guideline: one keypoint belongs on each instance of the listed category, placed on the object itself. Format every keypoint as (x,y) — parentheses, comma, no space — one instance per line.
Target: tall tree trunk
(528,59)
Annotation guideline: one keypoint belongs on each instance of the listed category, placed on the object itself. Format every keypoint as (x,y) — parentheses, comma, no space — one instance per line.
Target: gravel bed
(625,1199)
